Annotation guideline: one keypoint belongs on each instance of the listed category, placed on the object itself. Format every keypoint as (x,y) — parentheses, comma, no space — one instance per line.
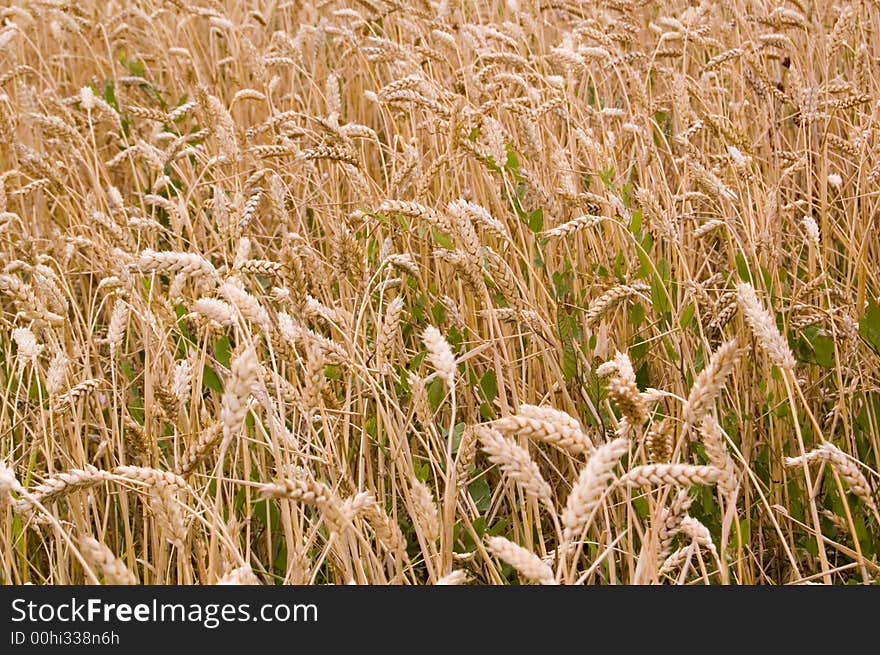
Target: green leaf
(640,503)
(742,268)
(416,361)
(687,316)
(643,377)
(371,425)
(422,471)
(620,266)
(869,325)
(436,393)
(607,177)
(536,220)
(639,348)
(659,289)
(512,160)
(635,225)
(457,433)
(637,314)
(223,350)
(211,380)
(646,267)
(444,239)
(499,528)
(136,67)
(439,312)
(814,348)
(481,494)
(110,96)
(489,386)
(569,361)
(671,350)
(743,535)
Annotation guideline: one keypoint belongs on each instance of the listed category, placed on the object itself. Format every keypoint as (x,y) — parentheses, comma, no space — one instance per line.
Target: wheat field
(433,292)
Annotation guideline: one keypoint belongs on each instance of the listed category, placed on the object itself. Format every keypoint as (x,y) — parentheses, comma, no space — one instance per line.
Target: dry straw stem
(527,564)
(593,481)
(318,172)
(675,474)
(515,462)
(844,466)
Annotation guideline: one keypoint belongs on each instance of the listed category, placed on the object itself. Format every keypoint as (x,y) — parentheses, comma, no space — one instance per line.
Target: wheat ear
(719,456)
(763,326)
(114,571)
(844,466)
(559,433)
(709,383)
(515,462)
(675,474)
(523,560)
(591,484)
